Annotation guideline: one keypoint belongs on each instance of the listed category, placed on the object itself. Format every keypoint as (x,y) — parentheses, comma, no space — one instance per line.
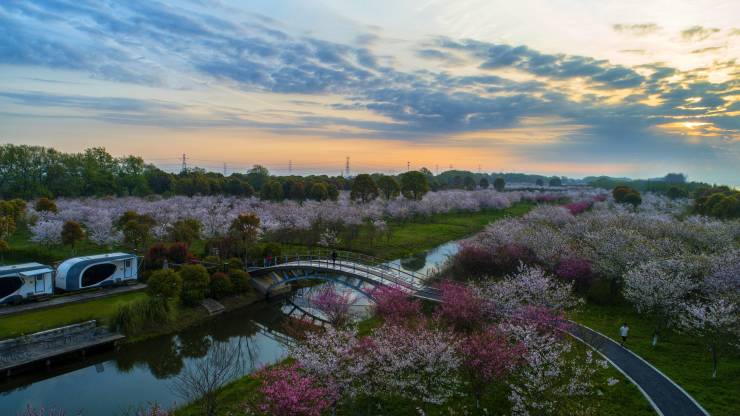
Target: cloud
(698,33)
(557,66)
(148,43)
(637,29)
(707,49)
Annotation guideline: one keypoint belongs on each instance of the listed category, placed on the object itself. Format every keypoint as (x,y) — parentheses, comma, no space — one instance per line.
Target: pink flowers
(577,270)
(333,304)
(460,306)
(579,207)
(488,357)
(288,392)
(396,306)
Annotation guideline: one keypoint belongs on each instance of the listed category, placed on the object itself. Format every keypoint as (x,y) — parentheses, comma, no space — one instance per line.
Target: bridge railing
(387,273)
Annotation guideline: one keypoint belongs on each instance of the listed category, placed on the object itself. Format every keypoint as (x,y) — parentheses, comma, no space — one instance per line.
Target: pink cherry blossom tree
(395,306)
(333,304)
(487,357)
(460,306)
(286,391)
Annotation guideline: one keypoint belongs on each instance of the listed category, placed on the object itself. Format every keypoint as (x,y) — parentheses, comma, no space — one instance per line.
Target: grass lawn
(39,320)
(683,358)
(411,237)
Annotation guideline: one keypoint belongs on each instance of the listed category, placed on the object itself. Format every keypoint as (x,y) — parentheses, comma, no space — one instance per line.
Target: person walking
(623,332)
(334,257)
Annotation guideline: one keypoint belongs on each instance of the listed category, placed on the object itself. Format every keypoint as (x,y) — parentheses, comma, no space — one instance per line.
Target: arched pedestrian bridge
(360,272)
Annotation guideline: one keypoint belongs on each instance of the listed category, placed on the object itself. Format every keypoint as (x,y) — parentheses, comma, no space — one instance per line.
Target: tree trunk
(714,360)
(655,336)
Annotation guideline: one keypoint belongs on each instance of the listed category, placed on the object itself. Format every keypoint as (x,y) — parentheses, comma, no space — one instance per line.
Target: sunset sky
(566,87)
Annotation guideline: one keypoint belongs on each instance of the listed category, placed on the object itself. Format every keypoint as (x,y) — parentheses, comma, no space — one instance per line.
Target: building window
(97,273)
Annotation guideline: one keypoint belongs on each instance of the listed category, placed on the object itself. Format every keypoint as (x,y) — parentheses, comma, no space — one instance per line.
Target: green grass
(683,358)
(42,319)
(411,237)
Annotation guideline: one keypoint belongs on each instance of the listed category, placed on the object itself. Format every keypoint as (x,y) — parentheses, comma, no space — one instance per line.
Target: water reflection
(144,372)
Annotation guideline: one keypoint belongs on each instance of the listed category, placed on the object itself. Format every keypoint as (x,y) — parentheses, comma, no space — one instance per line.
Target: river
(134,375)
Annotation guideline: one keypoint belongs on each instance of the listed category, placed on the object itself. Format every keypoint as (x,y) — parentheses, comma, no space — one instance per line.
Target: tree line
(30,172)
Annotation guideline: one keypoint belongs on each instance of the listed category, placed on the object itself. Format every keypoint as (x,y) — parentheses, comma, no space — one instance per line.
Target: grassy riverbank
(103,310)
(38,320)
(684,359)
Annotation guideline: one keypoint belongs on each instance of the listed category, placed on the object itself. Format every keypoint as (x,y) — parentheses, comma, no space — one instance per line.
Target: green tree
(258,176)
(364,188)
(185,230)
(414,185)
(469,183)
(539,182)
(164,283)
(245,229)
(272,191)
(195,281)
(136,228)
(72,233)
(318,191)
(46,205)
(555,181)
(499,184)
(7,227)
(220,285)
(333,192)
(389,187)
(676,193)
(633,198)
(483,183)
(240,279)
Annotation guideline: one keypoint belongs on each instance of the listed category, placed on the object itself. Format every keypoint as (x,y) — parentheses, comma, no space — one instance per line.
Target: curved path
(666,397)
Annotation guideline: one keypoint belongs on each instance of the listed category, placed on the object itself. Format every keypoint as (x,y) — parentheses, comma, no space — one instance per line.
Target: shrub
(240,280)
(220,285)
(132,318)
(165,284)
(194,284)
(46,204)
(235,263)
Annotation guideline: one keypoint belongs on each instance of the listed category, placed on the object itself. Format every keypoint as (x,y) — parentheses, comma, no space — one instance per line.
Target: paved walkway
(666,397)
(72,298)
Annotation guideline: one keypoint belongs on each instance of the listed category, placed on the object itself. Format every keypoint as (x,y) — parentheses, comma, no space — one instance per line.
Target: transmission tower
(184,164)
(408,166)
(346,167)
(224,168)
(436,170)
(290,167)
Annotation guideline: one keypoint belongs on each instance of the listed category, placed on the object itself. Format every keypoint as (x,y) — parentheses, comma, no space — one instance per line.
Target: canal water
(118,382)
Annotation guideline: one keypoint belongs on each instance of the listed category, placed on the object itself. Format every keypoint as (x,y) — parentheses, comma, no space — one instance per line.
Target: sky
(557,87)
